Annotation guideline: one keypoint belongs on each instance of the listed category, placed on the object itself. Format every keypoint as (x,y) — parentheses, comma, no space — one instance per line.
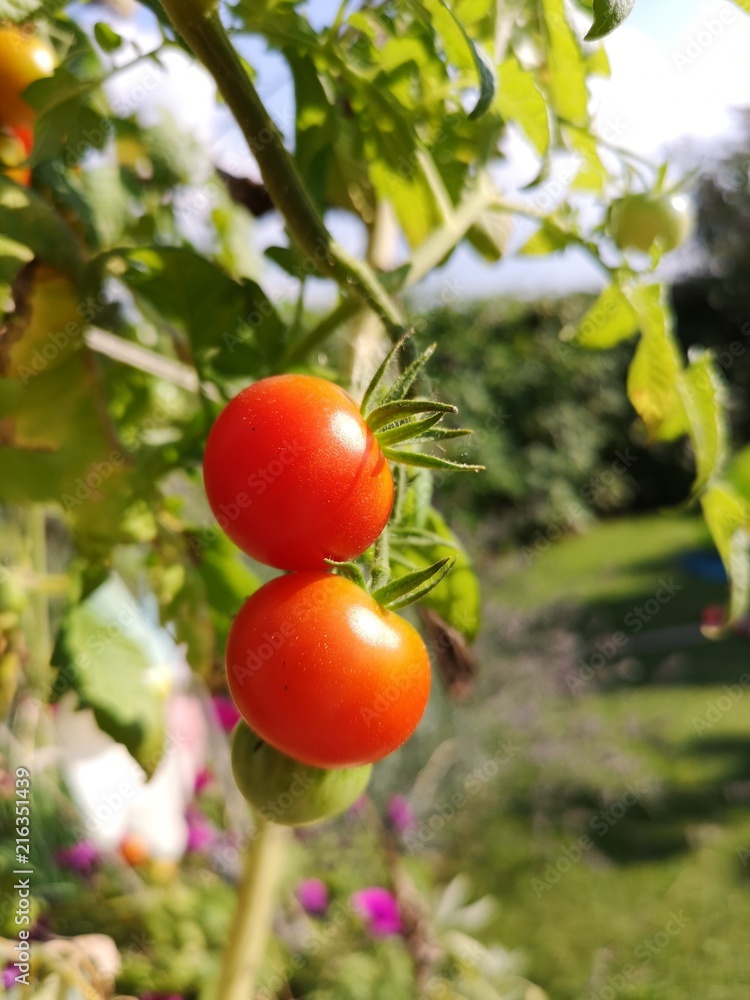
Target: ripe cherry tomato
(24,58)
(294,475)
(638,220)
(287,792)
(323,673)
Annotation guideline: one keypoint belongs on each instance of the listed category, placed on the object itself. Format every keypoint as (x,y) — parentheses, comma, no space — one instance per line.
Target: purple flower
(82,857)
(226,712)
(401,814)
(313,896)
(9,976)
(200,837)
(380,911)
(203,779)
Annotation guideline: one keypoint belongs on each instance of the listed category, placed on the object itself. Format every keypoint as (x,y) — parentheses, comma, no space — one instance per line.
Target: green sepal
(408,430)
(423,461)
(388,413)
(414,586)
(377,378)
(409,376)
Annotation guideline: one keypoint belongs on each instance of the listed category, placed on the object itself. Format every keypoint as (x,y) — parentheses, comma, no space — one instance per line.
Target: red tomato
(321,672)
(294,475)
(24,58)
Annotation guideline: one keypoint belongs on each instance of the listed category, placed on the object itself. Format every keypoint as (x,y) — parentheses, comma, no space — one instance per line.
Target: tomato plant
(287,792)
(639,221)
(323,673)
(24,58)
(295,476)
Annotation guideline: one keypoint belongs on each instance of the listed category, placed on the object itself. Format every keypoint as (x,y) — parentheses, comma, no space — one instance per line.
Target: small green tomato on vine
(643,221)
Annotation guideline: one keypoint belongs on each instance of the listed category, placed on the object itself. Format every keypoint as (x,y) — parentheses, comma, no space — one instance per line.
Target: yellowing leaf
(656,369)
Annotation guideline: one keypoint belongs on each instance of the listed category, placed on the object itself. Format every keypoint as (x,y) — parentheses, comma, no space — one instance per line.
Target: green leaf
(704,397)
(592,174)
(98,656)
(610,320)
(727,515)
(656,370)
(457,598)
(520,100)
(13,256)
(388,412)
(566,65)
(107,37)
(19,10)
(413,586)
(608,15)
(549,238)
(462,51)
(29,220)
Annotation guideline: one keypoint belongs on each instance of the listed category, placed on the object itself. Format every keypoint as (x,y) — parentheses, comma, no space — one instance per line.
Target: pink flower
(82,857)
(379,909)
(313,896)
(201,835)
(203,779)
(9,976)
(226,712)
(401,814)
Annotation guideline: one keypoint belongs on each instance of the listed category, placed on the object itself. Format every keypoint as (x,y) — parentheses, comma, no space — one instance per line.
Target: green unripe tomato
(287,792)
(637,221)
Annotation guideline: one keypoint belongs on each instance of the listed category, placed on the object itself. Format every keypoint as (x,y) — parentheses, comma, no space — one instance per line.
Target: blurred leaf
(610,320)
(592,174)
(107,37)
(462,51)
(521,101)
(111,673)
(728,518)
(29,220)
(656,370)
(704,397)
(13,256)
(19,10)
(608,15)
(549,238)
(565,64)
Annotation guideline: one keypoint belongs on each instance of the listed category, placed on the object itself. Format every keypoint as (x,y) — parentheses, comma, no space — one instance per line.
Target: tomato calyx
(395,419)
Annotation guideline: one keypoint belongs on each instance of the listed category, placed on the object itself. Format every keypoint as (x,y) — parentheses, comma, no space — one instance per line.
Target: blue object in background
(706,566)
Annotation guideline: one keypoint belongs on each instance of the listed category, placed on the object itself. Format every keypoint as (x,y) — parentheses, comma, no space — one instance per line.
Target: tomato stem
(205,34)
(251,924)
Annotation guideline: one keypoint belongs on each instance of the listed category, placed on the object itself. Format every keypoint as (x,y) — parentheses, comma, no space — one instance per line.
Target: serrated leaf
(566,65)
(704,397)
(610,320)
(98,656)
(520,100)
(608,15)
(385,414)
(727,515)
(656,370)
(413,586)
(462,51)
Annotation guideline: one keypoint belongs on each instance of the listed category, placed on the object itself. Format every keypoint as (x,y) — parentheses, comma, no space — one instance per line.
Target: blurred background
(572,818)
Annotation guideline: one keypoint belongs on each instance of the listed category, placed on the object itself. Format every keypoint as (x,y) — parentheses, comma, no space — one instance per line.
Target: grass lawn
(618,839)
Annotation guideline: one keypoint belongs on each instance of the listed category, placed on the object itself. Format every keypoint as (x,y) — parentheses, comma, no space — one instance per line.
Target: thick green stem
(251,925)
(205,34)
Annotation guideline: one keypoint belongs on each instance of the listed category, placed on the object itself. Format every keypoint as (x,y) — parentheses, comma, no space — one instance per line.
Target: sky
(678,70)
